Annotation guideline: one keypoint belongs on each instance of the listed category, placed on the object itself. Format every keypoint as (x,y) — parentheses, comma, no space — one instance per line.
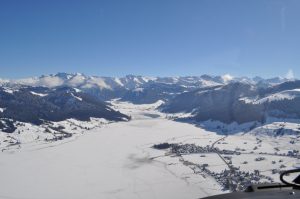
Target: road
(228,165)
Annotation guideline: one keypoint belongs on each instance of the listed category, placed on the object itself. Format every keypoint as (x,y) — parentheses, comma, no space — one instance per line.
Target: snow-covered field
(116,160)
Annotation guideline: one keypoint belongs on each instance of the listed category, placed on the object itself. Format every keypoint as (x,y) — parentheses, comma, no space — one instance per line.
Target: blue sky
(149,37)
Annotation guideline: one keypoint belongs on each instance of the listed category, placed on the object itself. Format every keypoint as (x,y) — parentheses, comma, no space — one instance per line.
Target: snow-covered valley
(117,160)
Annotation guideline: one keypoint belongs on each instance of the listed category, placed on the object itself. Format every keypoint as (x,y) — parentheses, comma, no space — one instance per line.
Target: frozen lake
(110,162)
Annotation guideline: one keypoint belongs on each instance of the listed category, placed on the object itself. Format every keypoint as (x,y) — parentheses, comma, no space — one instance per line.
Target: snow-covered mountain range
(221,98)
(133,81)
(138,89)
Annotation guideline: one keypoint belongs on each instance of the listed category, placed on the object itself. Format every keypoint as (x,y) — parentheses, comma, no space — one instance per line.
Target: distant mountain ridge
(133,81)
(131,87)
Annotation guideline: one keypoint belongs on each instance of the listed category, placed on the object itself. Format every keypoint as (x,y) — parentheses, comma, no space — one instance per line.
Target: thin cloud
(283,18)
(290,74)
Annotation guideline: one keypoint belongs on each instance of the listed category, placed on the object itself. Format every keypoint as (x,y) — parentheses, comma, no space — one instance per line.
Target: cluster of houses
(181,149)
(290,153)
(232,179)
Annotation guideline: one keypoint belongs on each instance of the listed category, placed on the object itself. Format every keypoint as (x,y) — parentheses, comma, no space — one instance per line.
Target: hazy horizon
(288,75)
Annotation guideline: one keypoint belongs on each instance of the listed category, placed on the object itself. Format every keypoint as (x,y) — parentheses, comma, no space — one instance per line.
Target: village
(231,177)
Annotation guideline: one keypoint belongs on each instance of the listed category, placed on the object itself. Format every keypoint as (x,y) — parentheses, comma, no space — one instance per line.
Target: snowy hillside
(38,105)
(239,102)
